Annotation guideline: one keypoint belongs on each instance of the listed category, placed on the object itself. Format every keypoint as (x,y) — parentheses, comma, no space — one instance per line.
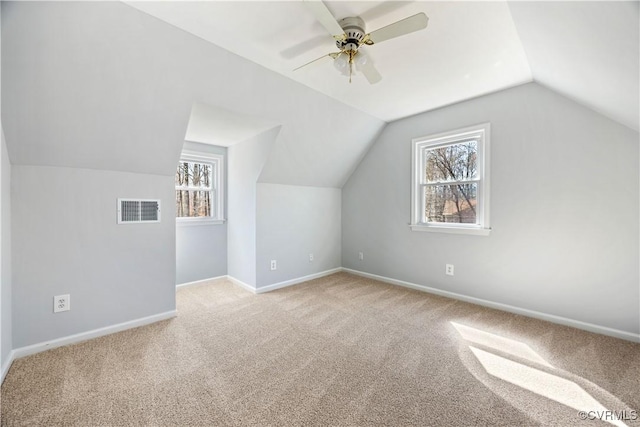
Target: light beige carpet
(341,350)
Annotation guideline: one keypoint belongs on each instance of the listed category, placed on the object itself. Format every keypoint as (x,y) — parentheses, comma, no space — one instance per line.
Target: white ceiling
(588,51)
(218,126)
(468,49)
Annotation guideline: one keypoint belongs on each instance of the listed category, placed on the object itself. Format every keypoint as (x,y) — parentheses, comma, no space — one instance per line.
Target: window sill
(188,222)
(450,230)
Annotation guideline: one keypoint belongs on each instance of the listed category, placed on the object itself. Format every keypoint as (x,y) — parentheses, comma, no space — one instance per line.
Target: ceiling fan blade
(370,73)
(322,14)
(303,47)
(400,28)
(332,55)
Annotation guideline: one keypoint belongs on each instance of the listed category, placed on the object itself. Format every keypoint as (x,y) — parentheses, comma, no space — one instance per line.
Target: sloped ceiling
(221,127)
(101,85)
(468,49)
(588,51)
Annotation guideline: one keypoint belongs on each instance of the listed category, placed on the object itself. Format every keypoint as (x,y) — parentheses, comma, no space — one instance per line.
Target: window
(450,182)
(199,189)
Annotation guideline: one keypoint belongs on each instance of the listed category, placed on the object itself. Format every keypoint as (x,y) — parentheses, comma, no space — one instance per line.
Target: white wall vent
(138,210)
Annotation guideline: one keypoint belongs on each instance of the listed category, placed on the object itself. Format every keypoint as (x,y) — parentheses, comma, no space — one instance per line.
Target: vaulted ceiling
(587,51)
(101,85)
(104,85)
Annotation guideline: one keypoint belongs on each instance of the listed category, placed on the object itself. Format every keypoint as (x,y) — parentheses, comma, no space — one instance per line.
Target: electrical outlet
(360,256)
(449,270)
(310,257)
(274,264)
(61,303)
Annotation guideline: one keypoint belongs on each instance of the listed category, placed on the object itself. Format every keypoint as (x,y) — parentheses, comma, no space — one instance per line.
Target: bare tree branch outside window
(450,193)
(193,189)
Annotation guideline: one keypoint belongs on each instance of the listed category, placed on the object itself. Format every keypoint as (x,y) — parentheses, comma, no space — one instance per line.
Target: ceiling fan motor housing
(354,30)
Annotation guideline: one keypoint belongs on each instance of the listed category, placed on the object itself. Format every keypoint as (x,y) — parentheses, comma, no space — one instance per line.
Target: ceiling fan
(350,36)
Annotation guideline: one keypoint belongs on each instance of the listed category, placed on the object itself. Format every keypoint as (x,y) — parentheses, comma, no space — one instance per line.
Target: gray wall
(564,210)
(293,222)
(201,250)
(246,160)
(6,344)
(66,240)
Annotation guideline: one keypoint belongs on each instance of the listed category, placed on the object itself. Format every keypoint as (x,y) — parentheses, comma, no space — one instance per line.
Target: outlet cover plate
(61,303)
(449,269)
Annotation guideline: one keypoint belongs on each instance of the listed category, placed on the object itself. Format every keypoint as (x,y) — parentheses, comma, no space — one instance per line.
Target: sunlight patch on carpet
(542,383)
(497,342)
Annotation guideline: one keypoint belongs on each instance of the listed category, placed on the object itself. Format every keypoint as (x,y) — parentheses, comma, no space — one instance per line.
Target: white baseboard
(242,284)
(72,339)
(6,365)
(284,284)
(291,282)
(95,333)
(199,282)
(629,336)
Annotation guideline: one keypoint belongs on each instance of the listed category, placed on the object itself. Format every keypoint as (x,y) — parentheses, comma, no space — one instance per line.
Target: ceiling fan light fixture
(341,63)
(350,34)
(361,60)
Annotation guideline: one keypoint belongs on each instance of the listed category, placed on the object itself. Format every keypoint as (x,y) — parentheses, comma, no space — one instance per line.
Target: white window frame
(217,184)
(481,133)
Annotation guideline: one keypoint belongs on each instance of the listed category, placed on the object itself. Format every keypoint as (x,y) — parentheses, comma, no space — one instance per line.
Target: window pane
(452,163)
(453,203)
(191,203)
(192,174)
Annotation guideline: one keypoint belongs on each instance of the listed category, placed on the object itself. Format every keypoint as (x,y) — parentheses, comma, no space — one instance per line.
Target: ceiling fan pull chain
(350,66)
